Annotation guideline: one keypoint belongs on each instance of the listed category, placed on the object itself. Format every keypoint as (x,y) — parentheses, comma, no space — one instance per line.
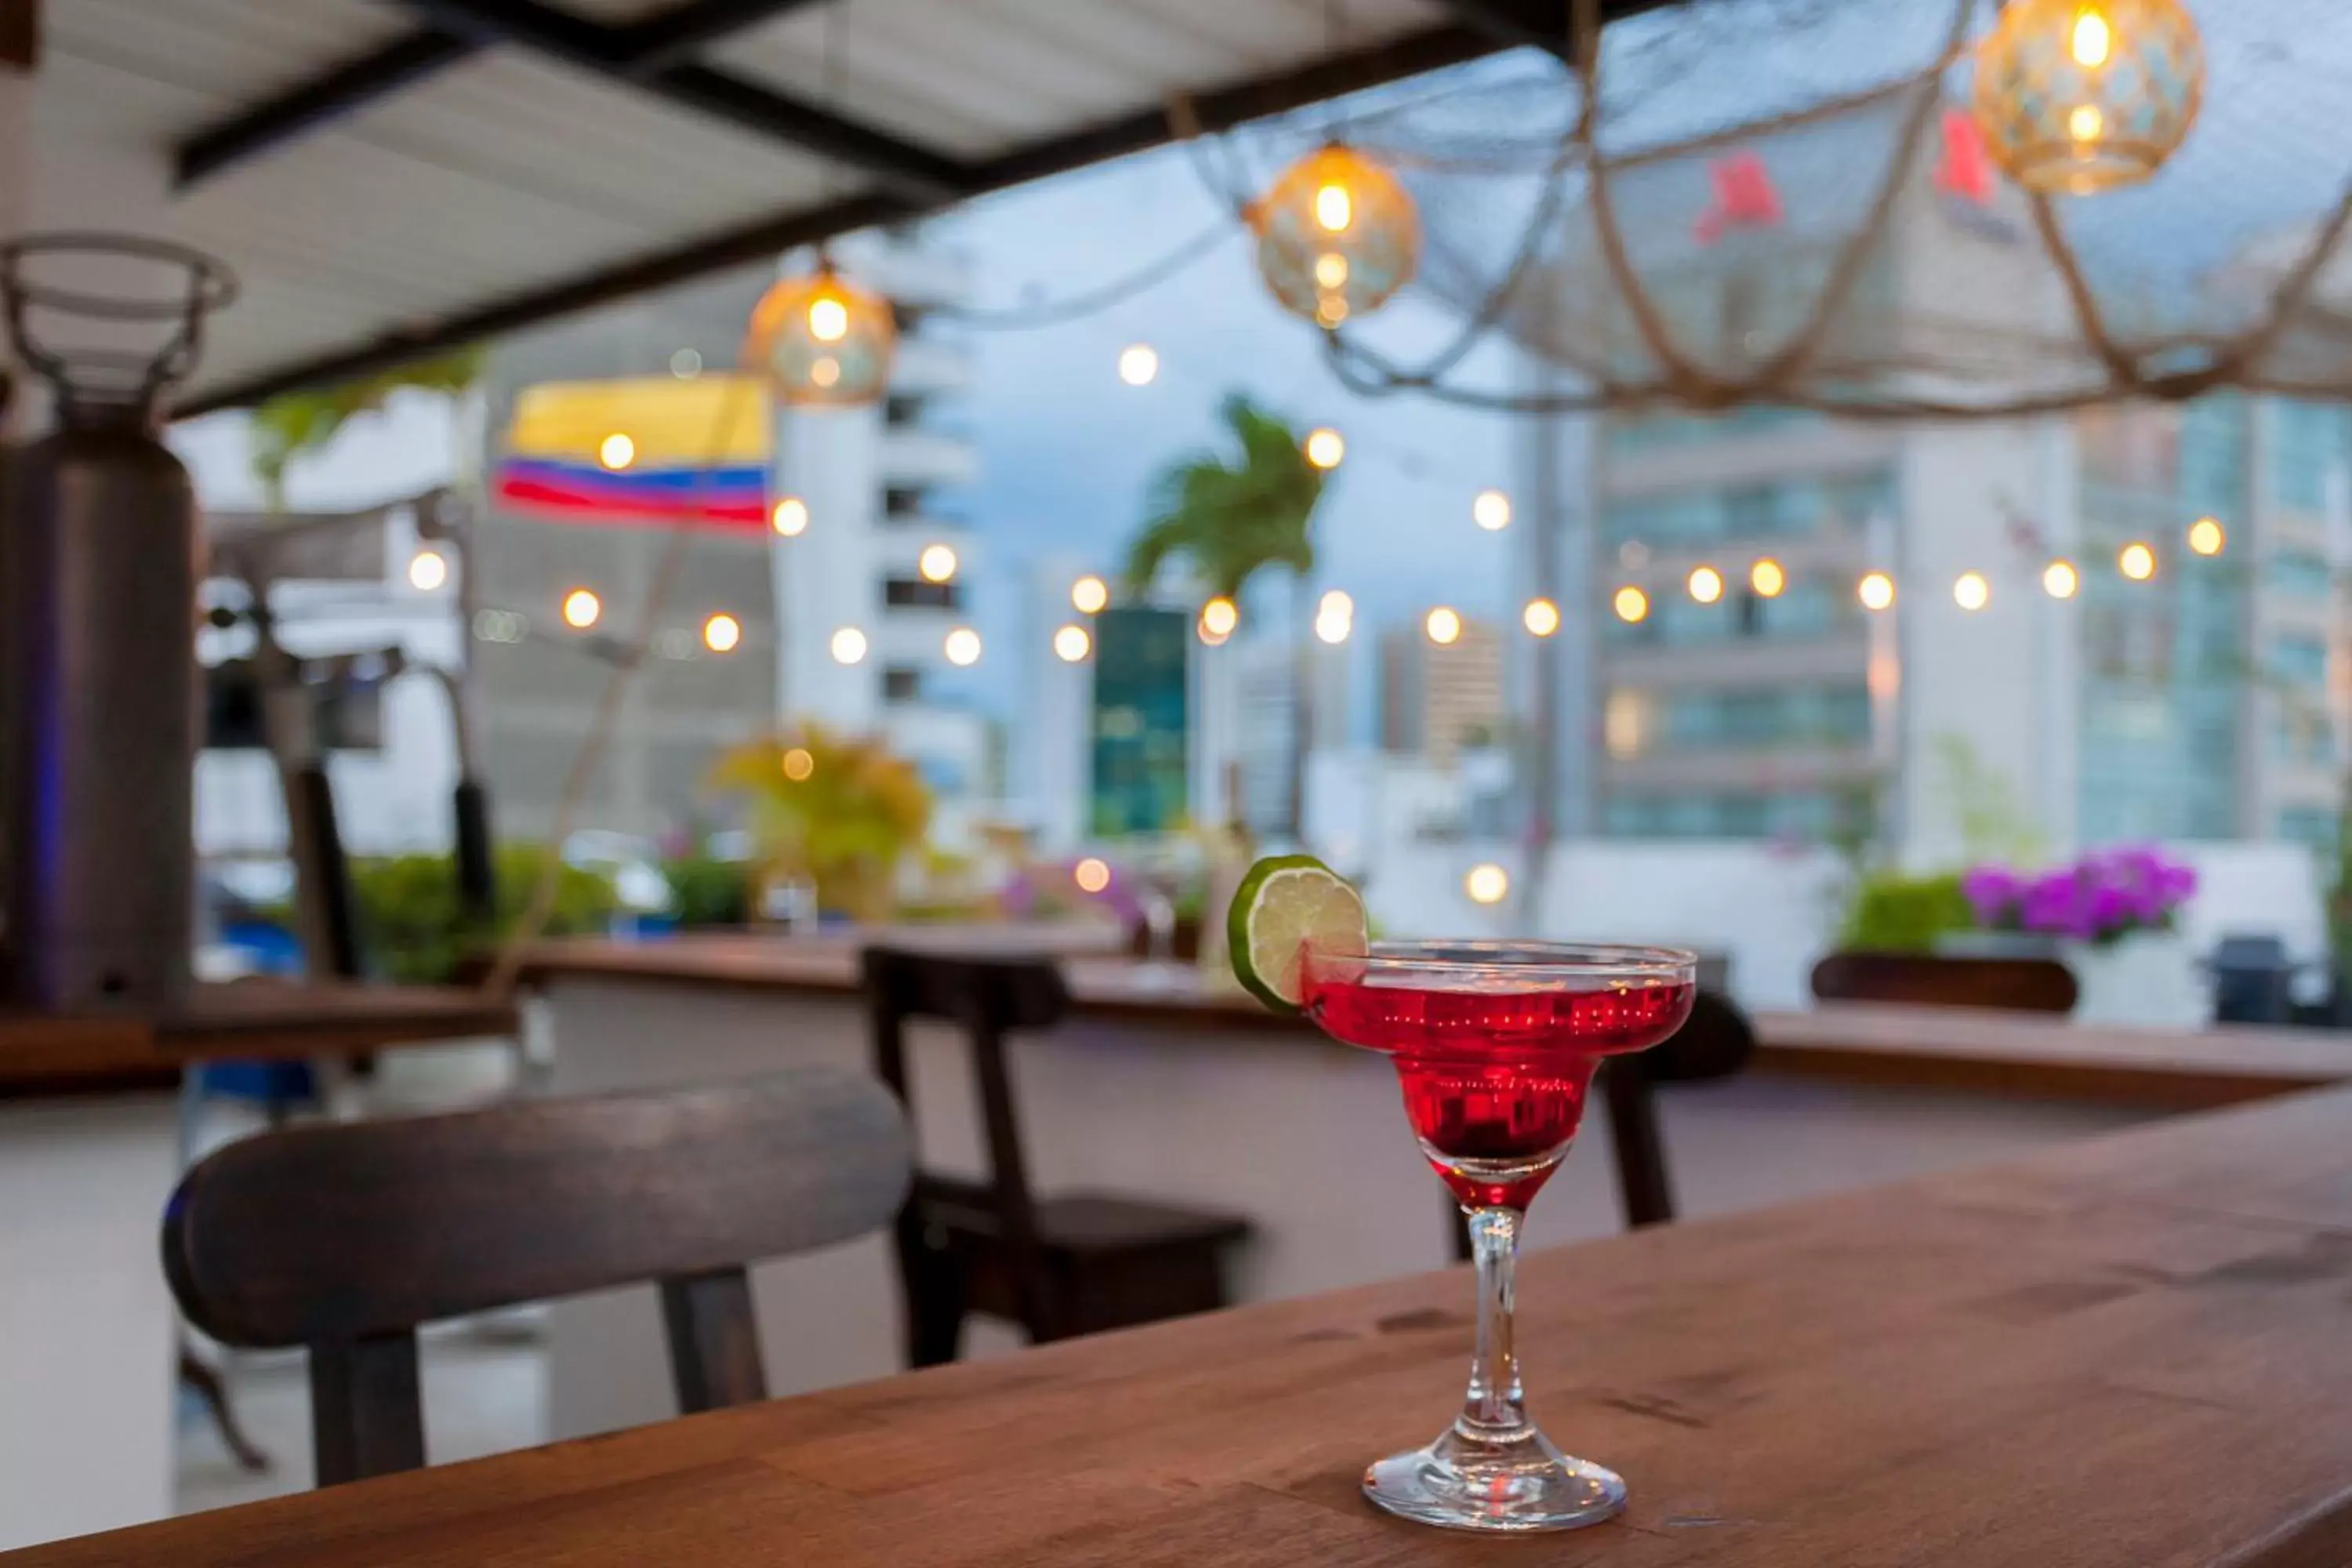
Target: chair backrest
(988,998)
(1939,980)
(345,1237)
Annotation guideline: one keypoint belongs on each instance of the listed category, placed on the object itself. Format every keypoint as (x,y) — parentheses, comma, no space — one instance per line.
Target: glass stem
(1494,1411)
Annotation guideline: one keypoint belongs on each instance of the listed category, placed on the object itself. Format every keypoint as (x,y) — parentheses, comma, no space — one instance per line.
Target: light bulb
(2206,537)
(2136,562)
(1633,605)
(1331,270)
(1487,884)
(1088,596)
(2084,122)
(828,319)
(962,647)
(826,371)
(2060,579)
(937,563)
(1541,617)
(427,570)
(1335,604)
(799,764)
(848,646)
(791,517)
(617,451)
(1491,510)
(1324,447)
(721,633)
(1219,616)
(2092,39)
(1705,584)
(1334,629)
(1767,578)
(1091,875)
(1876,591)
(1334,208)
(1071,644)
(1443,625)
(581,609)
(1138,363)
(1971,592)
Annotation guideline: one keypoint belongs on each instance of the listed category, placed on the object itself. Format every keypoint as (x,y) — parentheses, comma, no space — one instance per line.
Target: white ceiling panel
(502,186)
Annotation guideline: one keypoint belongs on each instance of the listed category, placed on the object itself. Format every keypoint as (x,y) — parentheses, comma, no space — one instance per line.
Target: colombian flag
(650,452)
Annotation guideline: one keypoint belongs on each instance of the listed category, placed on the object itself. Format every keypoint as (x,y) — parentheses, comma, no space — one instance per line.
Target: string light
(1335,616)
(1971,592)
(1088,596)
(1633,605)
(1444,626)
(1219,616)
(1767,578)
(2206,536)
(427,570)
(789,517)
(2136,562)
(1491,510)
(2060,579)
(824,340)
(617,451)
(1876,591)
(1139,364)
(1705,584)
(1487,884)
(1324,447)
(1071,644)
(2078,96)
(937,563)
(848,646)
(799,764)
(1337,236)
(581,609)
(1541,617)
(721,633)
(962,647)
(1091,875)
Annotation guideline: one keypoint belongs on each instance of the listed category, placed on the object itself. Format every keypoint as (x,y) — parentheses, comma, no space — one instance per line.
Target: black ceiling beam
(1516,23)
(914,172)
(1277,93)
(666,40)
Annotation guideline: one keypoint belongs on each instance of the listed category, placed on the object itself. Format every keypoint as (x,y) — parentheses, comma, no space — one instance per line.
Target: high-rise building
(1438,699)
(838,620)
(2021,672)
(1268,673)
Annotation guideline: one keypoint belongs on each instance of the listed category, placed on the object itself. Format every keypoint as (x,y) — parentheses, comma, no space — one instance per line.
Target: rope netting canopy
(1791,202)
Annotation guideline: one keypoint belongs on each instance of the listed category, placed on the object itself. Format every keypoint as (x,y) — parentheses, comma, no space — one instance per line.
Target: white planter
(2147,979)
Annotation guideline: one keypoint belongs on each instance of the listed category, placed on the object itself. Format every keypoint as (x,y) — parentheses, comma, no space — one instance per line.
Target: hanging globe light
(823,341)
(2078,96)
(1336,235)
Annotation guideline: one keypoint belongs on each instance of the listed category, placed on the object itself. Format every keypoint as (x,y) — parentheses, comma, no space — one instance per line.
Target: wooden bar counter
(90,1144)
(1166,1088)
(2123,1353)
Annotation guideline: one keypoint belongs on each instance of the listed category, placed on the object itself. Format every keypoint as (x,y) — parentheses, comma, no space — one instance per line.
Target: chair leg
(1642,1183)
(194,1373)
(935,1310)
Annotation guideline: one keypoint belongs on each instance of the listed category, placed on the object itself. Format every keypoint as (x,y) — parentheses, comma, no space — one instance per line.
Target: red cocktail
(1495,1044)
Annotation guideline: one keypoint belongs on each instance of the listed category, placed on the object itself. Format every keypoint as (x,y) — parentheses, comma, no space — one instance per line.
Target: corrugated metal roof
(480,189)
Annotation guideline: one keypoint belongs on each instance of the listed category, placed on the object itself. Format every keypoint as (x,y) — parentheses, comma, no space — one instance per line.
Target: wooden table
(2125,1353)
(90,1148)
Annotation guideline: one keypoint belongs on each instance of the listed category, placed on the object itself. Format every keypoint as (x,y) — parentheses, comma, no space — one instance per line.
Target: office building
(1439,700)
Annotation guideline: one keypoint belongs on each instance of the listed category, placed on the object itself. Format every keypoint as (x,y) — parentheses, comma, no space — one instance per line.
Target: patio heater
(99,567)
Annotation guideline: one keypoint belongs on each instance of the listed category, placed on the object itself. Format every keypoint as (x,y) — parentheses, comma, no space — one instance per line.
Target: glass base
(1524,1483)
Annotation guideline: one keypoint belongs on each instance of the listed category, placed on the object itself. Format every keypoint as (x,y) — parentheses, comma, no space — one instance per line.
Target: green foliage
(1995,825)
(840,810)
(410,925)
(1889,912)
(1231,515)
(294,423)
(705,892)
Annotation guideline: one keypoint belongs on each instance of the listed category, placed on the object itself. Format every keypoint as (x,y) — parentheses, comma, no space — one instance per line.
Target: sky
(1066,449)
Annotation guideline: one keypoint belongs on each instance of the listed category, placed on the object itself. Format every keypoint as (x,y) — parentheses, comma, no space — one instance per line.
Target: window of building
(913,592)
(2300,572)
(2313,824)
(902,503)
(2300,658)
(2308,447)
(902,684)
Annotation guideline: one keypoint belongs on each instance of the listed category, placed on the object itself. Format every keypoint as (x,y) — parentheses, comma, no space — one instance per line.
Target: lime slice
(1286,903)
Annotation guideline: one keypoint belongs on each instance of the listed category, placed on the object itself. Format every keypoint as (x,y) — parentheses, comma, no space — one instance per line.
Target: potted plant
(2114,916)
(842,812)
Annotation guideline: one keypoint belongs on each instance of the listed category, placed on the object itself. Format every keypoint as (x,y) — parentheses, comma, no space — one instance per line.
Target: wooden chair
(1061,1266)
(345,1238)
(1715,1042)
(1940,980)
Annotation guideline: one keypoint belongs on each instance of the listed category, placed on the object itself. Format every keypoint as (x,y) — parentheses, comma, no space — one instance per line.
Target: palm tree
(1230,515)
